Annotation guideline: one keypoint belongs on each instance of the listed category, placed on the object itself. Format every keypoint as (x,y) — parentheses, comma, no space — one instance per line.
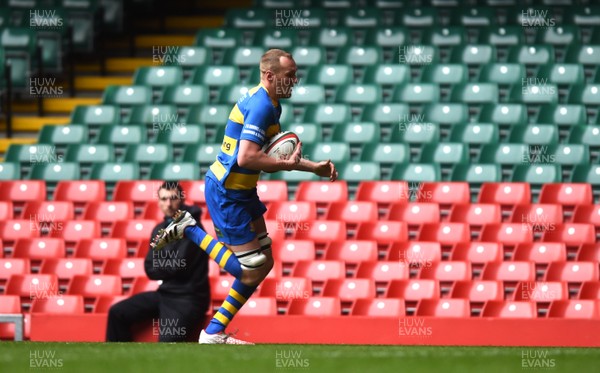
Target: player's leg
(124,314)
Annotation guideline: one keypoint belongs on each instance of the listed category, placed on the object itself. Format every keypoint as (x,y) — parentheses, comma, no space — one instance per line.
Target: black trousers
(174,319)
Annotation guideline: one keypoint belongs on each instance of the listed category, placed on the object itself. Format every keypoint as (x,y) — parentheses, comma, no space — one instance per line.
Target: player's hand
(294,159)
(326,169)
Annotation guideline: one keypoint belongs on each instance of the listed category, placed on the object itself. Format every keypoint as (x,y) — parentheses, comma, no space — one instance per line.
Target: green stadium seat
(415,55)
(33,153)
(301,18)
(536,93)
(122,135)
(562,73)
(158,76)
(243,56)
(307,94)
(55,172)
(337,152)
(476,173)
(182,135)
(185,95)
(281,38)
(359,56)
(148,153)
(586,173)
(384,113)
(248,18)
(215,115)
(293,178)
(588,15)
(510,154)
(389,37)
(531,54)
(10,171)
(502,73)
(385,153)
(187,57)
(287,113)
(563,34)
(95,115)
(480,16)
(475,133)
(90,153)
(588,94)
(562,115)
(153,114)
(503,114)
(231,94)
(216,76)
(501,35)
(583,54)
(417,17)
(445,153)
(127,95)
(534,134)
(357,133)
(475,93)
(537,173)
(313,55)
(359,171)
(416,133)
(111,172)
(386,74)
(473,54)
(585,134)
(443,37)
(336,37)
(224,37)
(417,93)
(328,114)
(446,113)
(204,154)
(361,94)
(51,38)
(416,172)
(570,154)
(309,133)
(19,45)
(175,171)
(329,75)
(445,74)
(361,18)
(63,135)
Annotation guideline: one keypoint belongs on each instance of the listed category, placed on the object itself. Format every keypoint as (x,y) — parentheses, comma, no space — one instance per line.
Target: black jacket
(182,265)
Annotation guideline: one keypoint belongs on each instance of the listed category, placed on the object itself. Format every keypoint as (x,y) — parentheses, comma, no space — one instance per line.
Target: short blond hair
(271,60)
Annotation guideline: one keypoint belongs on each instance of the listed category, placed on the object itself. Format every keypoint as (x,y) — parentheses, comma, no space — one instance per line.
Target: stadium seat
(538,216)
(506,114)
(417,93)
(383,193)
(584,94)
(445,153)
(80,191)
(137,191)
(292,212)
(357,133)
(349,289)
(158,76)
(443,308)
(509,271)
(127,96)
(445,233)
(307,94)
(225,37)
(96,115)
(541,252)
(574,309)
(90,153)
(383,232)
(587,214)
(589,290)
(541,291)
(12,230)
(588,252)
(476,214)
(323,231)
(320,270)
(502,73)
(562,73)
(63,304)
(316,306)
(247,18)
(385,153)
(413,290)
(122,135)
(322,191)
(243,56)
(538,54)
(352,251)
(446,271)
(287,288)
(414,213)
(10,171)
(416,253)
(13,266)
(134,230)
(416,172)
(444,193)
(503,35)
(63,135)
(473,54)
(108,211)
(293,251)
(270,191)
(259,306)
(566,194)
(337,152)
(445,74)
(328,114)
(507,233)
(386,74)
(572,272)
(383,271)
(126,268)
(359,55)
(140,285)
(76,230)
(48,211)
(187,57)
(39,248)
(67,268)
(388,37)
(329,75)
(504,154)
(478,291)
(101,248)
(509,309)
(475,93)
(175,171)
(32,286)
(95,285)
(55,172)
(353,212)
(379,308)
(572,234)
(312,55)
(582,54)
(477,252)
(385,113)
(158,116)
(535,134)
(505,193)
(19,191)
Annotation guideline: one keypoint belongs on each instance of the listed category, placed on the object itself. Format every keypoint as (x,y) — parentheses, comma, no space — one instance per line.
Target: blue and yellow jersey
(254,117)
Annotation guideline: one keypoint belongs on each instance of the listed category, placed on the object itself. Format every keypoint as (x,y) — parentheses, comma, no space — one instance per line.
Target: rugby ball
(282,145)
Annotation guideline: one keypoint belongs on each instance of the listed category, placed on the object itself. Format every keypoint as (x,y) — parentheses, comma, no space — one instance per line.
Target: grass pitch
(180,358)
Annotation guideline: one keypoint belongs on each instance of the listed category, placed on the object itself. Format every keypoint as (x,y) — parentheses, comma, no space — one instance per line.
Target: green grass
(180,358)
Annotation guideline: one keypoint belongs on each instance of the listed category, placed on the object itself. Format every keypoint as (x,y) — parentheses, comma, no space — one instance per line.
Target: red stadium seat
(417,253)
(316,306)
(353,211)
(383,232)
(323,231)
(507,233)
(33,285)
(383,272)
(572,271)
(137,191)
(257,306)
(286,288)
(76,230)
(142,284)
(292,251)
(103,303)
(447,271)
(541,252)
(509,271)
(6,210)
(568,194)
(101,248)
(80,191)
(476,214)
(541,291)
(108,211)
(67,268)
(21,191)
(350,289)
(64,304)
(320,270)
(587,214)
(477,252)
(352,251)
(589,253)
(193,191)
(505,193)
(415,213)
(444,308)
(445,193)
(445,233)
(134,230)
(9,304)
(48,211)
(478,291)
(575,309)
(384,193)
(13,266)
(15,229)
(39,248)
(322,191)
(125,268)
(540,216)
(379,308)
(413,290)
(509,309)
(589,290)
(572,234)
(95,285)
(219,289)
(272,190)
(274,229)
(152,211)
(292,212)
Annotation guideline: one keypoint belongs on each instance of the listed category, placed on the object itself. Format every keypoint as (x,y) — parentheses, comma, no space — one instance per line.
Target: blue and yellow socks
(216,250)
(238,295)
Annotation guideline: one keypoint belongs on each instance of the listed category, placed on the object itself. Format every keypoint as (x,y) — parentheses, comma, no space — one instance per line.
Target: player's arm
(251,156)
(321,169)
